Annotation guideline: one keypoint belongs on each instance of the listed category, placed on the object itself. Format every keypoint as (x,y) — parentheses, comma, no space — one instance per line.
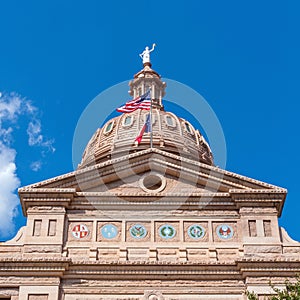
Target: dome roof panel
(170,133)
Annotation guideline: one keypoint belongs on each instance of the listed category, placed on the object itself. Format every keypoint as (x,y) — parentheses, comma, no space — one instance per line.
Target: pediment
(108,184)
(182,174)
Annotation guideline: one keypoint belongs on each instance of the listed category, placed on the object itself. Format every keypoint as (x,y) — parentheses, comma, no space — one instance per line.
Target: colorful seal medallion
(80,231)
(138,231)
(109,231)
(224,231)
(196,231)
(167,231)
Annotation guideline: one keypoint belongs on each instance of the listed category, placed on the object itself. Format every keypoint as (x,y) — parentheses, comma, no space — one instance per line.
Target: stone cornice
(236,198)
(152,195)
(47,191)
(67,268)
(29,267)
(40,260)
(76,262)
(275,197)
(113,162)
(267,267)
(243,191)
(146,269)
(45,196)
(199,269)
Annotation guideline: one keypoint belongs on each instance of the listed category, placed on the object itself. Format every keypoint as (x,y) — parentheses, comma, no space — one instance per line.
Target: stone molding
(241,191)
(28,267)
(125,158)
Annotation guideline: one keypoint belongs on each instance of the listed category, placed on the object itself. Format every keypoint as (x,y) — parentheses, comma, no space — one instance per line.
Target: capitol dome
(170,133)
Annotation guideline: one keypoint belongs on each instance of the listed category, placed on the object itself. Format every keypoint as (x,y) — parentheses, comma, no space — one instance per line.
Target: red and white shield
(80,231)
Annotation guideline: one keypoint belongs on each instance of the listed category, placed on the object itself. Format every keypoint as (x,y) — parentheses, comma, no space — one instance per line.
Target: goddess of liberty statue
(145,56)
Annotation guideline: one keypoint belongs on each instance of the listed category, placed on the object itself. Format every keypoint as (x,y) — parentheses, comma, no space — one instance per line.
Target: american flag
(141,102)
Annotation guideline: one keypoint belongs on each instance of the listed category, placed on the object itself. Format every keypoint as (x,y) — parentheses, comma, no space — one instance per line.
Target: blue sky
(56,56)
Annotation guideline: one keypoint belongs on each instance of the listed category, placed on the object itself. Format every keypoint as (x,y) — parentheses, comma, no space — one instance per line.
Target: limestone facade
(148,223)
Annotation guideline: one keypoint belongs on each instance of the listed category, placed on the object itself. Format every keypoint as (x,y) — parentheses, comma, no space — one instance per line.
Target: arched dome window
(170,121)
(109,127)
(127,121)
(188,127)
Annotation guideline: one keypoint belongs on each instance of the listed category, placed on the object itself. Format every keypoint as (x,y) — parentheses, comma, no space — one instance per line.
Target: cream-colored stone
(47,260)
(39,293)
(261,249)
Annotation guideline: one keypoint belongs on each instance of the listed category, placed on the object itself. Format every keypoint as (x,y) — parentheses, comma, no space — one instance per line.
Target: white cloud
(10,107)
(36,165)
(9,183)
(13,106)
(35,137)
(6,134)
(29,107)
(34,133)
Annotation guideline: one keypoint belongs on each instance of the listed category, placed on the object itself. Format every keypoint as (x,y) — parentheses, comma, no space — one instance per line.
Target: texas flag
(146,128)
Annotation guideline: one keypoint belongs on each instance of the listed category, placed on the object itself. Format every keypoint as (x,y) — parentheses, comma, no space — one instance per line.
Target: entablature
(45,197)
(34,266)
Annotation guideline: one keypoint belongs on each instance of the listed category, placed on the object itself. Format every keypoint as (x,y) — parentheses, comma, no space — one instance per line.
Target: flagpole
(151,136)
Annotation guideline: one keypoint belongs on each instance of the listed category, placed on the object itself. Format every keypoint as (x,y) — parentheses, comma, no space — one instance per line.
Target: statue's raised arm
(153,46)
(145,55)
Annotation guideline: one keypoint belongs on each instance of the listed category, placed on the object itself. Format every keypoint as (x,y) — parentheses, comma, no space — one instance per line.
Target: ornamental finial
(145,56)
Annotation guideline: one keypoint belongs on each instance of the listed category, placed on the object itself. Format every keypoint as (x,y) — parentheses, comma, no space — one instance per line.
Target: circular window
(153,183)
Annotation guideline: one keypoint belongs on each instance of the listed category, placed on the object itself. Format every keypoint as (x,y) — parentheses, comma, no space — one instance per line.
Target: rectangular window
(37,226)
(267,228)
(52,228)
(252,228)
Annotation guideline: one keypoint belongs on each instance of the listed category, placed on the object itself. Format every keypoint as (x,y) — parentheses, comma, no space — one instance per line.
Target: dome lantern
(147,79)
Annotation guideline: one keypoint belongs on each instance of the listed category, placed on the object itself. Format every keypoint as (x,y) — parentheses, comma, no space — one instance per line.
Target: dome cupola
(170,133)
